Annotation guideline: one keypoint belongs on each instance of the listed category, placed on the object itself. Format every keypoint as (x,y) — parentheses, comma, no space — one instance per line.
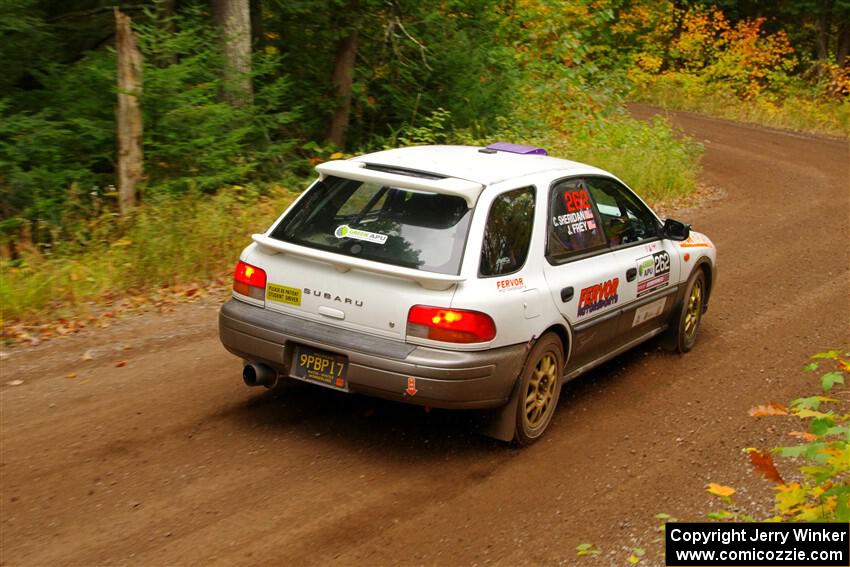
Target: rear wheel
(539,389)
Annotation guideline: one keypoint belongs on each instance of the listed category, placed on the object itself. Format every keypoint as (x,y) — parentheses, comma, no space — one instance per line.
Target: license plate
(320,367)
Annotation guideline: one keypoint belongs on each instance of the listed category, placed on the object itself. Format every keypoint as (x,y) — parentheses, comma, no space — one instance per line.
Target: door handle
(631,274)
(567,294)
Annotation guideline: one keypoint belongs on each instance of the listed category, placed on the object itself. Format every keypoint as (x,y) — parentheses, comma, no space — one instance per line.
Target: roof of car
(468,162)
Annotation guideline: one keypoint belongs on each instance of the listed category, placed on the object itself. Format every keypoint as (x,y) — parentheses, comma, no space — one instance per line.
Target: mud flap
(501,423)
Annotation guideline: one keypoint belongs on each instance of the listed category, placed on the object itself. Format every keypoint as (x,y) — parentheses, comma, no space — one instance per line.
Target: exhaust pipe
(257,374)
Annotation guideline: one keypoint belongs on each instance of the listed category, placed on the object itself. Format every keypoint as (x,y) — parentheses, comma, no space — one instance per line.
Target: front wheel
(690,315)
(539,389)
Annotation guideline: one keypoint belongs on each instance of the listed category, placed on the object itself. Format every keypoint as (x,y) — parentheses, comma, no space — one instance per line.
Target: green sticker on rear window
(283,294)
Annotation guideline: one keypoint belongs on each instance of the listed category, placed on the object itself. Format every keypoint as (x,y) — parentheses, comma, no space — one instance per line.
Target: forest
(142,142)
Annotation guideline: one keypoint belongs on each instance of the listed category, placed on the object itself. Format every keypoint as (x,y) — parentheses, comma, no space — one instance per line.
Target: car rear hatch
(359,251)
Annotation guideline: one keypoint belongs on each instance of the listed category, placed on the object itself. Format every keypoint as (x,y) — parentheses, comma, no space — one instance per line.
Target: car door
(584,276)
(651,264)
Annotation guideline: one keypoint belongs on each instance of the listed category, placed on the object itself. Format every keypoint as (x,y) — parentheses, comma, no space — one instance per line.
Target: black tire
(690,313)
(539,389)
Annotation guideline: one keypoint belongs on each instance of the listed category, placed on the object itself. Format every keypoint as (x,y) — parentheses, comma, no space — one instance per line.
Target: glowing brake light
(249,280)
(449,325)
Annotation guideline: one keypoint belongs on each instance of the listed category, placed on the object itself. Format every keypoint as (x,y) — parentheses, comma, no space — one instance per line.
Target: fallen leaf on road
(773,408)
(15,382)
(88,355)
(586,549)
(830,379)
(71,375)
(763,464)
(121,364)
(720,490)
(804,435)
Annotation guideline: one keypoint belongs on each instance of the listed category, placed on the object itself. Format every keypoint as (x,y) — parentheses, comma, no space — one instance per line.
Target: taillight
(449,325)
(249,280)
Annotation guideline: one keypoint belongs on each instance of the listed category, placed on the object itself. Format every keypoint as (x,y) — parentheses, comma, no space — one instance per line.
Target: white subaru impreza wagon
(463,277)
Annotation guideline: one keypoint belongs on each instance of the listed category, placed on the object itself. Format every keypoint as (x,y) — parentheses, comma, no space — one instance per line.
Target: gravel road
(170,460)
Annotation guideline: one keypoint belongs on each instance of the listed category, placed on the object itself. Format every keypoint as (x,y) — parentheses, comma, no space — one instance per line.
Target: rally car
(463,277)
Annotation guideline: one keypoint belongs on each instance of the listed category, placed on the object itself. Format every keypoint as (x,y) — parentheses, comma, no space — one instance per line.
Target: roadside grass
(799,111)
(647,156)
(193,240)
(170,241)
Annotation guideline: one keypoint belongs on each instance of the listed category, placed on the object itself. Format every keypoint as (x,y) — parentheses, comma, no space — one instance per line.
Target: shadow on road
(390,427)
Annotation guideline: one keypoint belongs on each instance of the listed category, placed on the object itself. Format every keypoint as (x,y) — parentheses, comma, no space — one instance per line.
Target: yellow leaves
(720,490)
(337,155)
(789,496)
(121,243)
(743,56)
(649,63)
(801,504)
(583,549)
(803,413)
(773,408)
(839,457)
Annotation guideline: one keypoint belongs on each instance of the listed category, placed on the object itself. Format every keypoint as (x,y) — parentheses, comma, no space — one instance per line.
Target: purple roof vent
(517,149)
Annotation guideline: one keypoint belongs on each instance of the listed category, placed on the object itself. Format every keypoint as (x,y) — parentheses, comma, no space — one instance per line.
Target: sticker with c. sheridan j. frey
(345,231)
(283,294)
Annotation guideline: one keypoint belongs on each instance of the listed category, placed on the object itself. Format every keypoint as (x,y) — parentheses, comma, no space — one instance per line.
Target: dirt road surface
(170,460)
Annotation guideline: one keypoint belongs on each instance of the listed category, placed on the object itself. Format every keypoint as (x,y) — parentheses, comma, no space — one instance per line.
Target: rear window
(402,227)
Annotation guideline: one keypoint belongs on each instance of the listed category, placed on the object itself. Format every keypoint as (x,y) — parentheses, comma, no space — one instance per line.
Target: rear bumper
(376,366)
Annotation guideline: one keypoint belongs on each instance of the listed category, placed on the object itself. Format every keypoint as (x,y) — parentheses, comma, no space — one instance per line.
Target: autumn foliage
(816,482)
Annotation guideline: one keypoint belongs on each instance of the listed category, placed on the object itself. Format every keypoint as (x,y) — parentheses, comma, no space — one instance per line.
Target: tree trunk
(129,114)
(257,29)
(342,78)
(823,23)
(842,48)
(234,21)
(165,12)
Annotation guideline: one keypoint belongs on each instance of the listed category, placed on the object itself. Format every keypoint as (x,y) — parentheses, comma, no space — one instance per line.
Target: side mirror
(675,230)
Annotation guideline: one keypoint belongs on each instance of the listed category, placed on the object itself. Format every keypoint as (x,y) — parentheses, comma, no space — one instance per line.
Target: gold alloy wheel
(541,390)
(694,312)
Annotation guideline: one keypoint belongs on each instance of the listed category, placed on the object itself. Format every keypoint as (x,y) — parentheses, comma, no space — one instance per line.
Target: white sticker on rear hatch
(345,231)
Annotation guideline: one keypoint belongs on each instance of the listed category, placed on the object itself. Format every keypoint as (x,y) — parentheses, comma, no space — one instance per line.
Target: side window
(573,221)
(624,218)
(508,233)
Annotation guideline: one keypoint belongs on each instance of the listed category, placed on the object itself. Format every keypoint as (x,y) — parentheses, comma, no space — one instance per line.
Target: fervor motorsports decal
(599,296)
